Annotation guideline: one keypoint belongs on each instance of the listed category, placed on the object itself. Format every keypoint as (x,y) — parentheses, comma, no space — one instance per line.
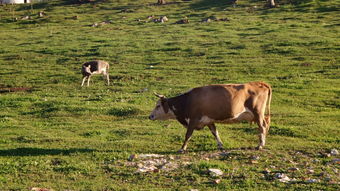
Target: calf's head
(162,110)
(86,70)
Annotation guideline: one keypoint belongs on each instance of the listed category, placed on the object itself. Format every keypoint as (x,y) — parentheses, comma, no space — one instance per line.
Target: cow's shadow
(28,151)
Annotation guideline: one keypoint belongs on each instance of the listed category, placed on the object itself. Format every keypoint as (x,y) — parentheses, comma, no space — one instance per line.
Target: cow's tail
(267,117)
(108,66)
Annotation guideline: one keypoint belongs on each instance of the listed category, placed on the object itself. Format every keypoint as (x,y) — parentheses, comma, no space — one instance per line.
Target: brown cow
(222,103)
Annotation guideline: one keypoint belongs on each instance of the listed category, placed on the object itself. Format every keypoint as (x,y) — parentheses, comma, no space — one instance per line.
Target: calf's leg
(84,78)
(107,78)
(88,81)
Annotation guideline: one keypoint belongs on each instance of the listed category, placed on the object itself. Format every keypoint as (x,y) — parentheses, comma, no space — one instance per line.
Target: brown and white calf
(223,103)
(95,67)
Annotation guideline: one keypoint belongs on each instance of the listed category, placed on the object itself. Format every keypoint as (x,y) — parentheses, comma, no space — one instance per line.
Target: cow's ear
(159,95)
(165,104)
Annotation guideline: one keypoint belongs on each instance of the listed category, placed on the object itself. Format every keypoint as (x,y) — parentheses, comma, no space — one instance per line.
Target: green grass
(61,136)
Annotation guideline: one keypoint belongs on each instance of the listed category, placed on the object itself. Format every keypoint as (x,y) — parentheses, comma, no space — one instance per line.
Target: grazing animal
(95,67)
(223,103)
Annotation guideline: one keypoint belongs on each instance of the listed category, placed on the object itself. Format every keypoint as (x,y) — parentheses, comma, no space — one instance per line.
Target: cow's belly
(245,115)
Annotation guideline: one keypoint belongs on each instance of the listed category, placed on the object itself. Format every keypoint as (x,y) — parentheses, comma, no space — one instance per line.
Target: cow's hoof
(181,151)
(259,147)
(220,148)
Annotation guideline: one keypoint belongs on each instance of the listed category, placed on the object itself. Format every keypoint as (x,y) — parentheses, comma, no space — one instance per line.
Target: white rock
(312,181)
(310,171)
(285,179)
(142,156)
(215,172)
(282,177)
(334,152)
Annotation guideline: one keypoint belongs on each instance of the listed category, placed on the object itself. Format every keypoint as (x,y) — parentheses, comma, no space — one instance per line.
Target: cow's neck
(178,107)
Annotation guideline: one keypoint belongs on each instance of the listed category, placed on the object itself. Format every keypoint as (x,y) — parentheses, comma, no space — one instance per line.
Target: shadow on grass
(40,151)
(210,4)
(49,4)
(274,130)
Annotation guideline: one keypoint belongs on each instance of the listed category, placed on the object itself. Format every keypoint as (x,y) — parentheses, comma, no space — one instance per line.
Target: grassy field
(57,135)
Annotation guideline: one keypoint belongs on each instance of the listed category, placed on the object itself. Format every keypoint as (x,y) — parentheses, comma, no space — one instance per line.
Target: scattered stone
(334,152)
(217,181)
(213,18)
(150,156)
(206,20)
(127,11)
(146,169)
(224,154)
(186,163)
(310,171)
(164,19)
(101,23)
(254,159)
(26,17)
(150,17)
(182,21)
(169,166)
(215,172)
(73,17)
(312,181)
(223,19)
(41,14)
(293,169)
(336,161)
(282,177)
(41,189)
(292,162)
(131,157)
(306,64)
(266,171)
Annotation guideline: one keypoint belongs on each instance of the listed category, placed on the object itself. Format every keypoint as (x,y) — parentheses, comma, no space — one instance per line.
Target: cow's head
(162,110)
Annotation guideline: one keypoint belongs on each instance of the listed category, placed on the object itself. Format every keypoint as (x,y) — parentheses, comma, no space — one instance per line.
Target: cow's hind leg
(261,122)
(214,131)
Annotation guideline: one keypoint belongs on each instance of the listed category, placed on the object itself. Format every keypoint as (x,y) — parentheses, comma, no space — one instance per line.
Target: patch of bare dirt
(4,89)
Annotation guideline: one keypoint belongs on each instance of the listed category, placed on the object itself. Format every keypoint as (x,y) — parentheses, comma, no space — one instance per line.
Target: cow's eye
(158,106)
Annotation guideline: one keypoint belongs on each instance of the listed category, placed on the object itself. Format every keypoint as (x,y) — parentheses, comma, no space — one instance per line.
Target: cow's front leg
(190,130)
(214,131)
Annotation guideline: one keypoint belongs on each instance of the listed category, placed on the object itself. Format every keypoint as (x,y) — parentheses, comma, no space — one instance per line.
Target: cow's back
(223,101)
